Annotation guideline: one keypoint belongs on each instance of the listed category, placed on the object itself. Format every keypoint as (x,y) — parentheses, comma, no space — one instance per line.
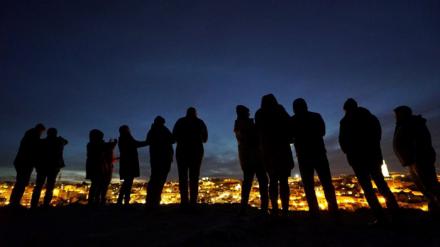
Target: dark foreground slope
(211,225)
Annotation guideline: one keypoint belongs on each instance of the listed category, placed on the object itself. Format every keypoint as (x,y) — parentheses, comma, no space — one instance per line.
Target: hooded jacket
(412,142)
(359,137)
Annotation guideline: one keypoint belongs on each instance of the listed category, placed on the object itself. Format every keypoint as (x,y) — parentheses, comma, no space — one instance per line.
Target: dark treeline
(263,150)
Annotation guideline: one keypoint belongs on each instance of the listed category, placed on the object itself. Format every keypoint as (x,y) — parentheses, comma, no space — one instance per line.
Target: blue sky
(100,64)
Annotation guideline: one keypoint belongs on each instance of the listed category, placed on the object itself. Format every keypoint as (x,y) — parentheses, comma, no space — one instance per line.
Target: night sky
(78,65)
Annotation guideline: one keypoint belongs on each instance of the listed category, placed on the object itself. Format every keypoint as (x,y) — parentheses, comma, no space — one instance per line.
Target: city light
(227,190)
(385,171)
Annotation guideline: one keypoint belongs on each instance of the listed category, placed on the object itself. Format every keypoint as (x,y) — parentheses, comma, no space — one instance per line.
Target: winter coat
(190,134)
(274,140)
(308,130)
(29,152)
(99,163)
(359,137)
(160,139)
(248,148)
(128,156)
(95,159)
(52,154)
(412,142)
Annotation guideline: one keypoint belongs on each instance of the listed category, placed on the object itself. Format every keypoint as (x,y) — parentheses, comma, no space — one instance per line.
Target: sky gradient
(79,65)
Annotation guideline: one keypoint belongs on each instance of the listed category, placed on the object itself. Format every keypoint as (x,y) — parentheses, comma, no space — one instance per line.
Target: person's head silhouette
(350,105)
(402,113)
(52,133)
(40,128)
(242,111)
(269,101)
(96,135)
(191,112)
(124,130)
(300,106)
(159,121)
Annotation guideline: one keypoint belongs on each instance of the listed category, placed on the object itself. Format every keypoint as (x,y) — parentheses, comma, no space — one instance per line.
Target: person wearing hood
(49,167)
(272,121)
(359,137)
(160,140)
(128,162)
(250,159)
(413,147)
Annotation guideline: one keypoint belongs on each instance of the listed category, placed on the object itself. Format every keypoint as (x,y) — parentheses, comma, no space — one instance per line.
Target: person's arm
(140,144)
(286,124)
(148,138)
(376,128)
(170,136)
(204,132)
(64,141)
(321,126)
(237,131)
(176,131)
(342,138)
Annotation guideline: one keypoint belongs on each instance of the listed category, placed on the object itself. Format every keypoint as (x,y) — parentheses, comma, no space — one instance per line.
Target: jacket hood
(415,119)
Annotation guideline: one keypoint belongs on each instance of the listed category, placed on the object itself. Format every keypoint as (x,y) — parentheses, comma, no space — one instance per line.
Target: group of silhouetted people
(264,150)
(189,133)
(46,156)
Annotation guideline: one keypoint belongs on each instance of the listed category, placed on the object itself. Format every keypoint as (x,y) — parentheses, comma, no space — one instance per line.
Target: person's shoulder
(281,108)
(180,121)
(200,121)
(314,115)
(344,119)
(29,132)
(363,111)
(418,120)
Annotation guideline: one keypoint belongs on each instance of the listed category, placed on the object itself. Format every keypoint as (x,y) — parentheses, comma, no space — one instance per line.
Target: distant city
(227,190)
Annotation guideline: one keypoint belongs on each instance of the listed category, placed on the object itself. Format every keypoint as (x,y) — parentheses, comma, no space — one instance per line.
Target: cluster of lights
(226,190)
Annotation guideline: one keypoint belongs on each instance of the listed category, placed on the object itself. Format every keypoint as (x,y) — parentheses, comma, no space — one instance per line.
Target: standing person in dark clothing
(308,130)
(359,137)
(28,156)
(94,163)
(49,167)
(99,166)
(107,170)
(250,158)
(160,139)
(190,133)
(128,162)
(272,123)
(413,146)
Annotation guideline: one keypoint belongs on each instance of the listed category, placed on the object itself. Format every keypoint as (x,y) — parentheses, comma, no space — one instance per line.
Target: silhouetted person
(250,158)
(109,158)
(190,133)
(28,156)
(128,162)
(272,123)
(308,130)
(99,166)
(51,162)
(160,139)
(359,137)
(413,146)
